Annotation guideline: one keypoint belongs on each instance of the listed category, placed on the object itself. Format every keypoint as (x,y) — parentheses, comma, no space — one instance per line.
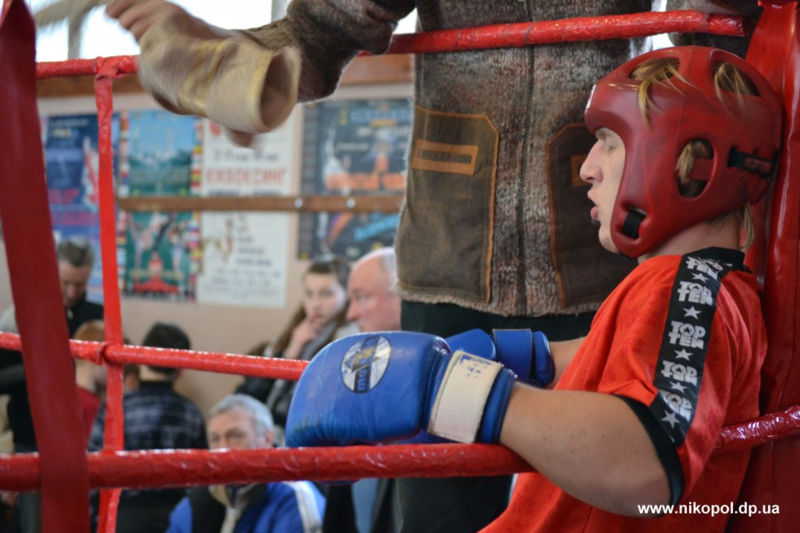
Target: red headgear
(744,132)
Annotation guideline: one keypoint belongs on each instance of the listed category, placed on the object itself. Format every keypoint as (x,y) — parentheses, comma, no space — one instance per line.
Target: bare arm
(562,353)
(303,333)
(591,445)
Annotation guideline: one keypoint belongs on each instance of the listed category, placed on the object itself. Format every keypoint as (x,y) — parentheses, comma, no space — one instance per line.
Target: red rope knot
(105,67)
(93,351)
(101,352)
(114,66)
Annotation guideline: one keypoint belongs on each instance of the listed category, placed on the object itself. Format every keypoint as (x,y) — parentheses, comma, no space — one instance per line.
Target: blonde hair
(727,78)
(92,330)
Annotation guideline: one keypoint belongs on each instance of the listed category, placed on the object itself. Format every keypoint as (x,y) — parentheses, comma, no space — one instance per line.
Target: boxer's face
(603,171)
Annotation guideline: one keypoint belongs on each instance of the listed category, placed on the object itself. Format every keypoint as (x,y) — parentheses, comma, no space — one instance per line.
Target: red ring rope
(145,469)
(734,437)
(566,30)
(142,469)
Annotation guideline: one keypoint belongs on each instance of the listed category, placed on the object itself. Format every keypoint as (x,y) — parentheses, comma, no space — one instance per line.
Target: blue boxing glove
(527,353)
(474,341)
(382,386)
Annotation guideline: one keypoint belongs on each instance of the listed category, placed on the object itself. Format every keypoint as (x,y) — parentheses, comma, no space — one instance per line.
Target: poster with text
(160,249)
(352,147)
(245,254)
(71,162)
(244,259)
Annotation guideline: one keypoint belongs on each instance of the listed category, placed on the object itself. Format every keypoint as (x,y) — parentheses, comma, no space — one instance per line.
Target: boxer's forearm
(563,352)
(590,445)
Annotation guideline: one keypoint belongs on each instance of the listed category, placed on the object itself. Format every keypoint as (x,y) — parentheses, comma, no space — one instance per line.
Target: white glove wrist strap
(458,408)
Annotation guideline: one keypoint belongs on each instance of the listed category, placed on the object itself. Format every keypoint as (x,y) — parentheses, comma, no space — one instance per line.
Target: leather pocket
(444,238)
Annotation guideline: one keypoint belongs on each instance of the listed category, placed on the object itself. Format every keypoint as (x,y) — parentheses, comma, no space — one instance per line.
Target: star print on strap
(687,332)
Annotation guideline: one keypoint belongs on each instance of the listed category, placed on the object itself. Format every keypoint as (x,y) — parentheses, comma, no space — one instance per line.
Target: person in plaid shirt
(156,417)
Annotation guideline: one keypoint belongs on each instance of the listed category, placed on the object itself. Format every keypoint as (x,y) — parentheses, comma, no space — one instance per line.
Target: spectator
(130,377)
(239,422)
(374,306)
(90,378)
(75,258)
(319,320)
(156,417)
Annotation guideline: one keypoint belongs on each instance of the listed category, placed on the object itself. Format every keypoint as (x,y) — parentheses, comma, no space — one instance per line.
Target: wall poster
(71,162)
(245,254)
(159,250)
(352,147)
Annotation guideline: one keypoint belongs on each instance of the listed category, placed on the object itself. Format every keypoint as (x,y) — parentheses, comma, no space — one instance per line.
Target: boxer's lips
(595,211)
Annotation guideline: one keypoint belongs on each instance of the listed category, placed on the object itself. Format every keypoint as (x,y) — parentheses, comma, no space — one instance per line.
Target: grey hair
(262,418)
(76,250)
(388,264)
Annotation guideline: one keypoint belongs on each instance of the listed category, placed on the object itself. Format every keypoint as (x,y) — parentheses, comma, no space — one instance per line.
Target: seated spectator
(130,377)
(156,417)
(374,306)
(90,378)
(239,422)
(75,258)
(320,319)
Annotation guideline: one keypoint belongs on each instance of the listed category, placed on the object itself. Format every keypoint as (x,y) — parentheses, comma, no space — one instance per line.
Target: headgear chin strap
(744,132)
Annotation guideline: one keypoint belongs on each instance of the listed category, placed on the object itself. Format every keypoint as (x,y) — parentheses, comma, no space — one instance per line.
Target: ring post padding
(64,480)
(773,475)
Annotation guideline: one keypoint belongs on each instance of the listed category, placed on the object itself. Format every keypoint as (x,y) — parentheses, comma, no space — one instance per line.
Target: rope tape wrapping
(114,432)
